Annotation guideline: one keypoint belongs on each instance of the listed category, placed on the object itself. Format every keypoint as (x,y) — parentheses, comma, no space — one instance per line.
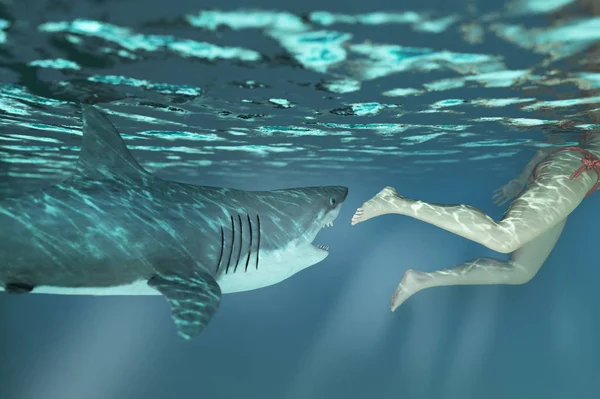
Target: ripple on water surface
(325,88)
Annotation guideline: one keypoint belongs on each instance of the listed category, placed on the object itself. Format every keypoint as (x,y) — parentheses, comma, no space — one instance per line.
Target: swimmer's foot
(376,206)
(412,282)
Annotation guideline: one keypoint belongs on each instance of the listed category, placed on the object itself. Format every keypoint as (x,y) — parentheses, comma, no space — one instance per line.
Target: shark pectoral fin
(194,300)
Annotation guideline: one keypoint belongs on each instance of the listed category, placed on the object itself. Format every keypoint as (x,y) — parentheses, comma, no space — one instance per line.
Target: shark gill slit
(249,243)
(257,239)
(232,242)
(222,247)
(240,243)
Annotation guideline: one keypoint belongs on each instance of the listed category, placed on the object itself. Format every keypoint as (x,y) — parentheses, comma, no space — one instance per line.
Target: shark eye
(332,201)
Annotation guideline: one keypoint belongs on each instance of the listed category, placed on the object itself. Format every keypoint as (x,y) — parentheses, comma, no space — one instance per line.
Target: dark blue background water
(327,332)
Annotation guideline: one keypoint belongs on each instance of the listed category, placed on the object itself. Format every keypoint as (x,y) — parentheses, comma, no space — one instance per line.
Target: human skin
(528,230)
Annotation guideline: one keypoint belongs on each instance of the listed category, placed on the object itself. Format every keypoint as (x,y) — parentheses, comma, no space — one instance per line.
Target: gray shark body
(115,229)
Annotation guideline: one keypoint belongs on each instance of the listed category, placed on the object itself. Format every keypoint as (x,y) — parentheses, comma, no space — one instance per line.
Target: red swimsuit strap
(588,162)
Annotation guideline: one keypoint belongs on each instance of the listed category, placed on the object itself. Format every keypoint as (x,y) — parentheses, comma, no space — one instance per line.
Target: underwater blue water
(445,101)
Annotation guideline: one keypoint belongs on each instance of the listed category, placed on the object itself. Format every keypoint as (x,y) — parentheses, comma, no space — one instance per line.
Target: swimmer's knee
(522,276)
(505,247)
(508,240)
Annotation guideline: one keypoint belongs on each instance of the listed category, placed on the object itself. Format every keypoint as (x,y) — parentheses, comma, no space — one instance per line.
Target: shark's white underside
(274,267)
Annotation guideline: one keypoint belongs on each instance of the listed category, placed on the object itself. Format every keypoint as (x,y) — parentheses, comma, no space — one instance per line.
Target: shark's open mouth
(324,247)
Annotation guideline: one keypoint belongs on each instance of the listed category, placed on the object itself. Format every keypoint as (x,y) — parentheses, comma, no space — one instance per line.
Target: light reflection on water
(259,96)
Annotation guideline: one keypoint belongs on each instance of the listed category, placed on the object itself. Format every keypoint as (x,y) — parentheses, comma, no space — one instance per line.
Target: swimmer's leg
(522,267)
(544,203)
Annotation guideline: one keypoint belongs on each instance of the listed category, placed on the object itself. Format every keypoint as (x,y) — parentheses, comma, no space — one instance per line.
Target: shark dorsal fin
(103,153)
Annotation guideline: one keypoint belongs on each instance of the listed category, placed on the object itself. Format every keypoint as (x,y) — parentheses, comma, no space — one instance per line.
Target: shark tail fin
(103,153)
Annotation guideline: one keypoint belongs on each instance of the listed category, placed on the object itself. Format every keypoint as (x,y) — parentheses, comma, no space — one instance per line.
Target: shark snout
(337,195)
(340,192)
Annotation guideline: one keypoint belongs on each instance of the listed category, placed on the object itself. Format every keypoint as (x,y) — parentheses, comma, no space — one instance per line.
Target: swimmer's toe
(376,206)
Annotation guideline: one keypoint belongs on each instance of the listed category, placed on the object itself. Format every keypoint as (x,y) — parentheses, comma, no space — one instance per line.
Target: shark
(113,228)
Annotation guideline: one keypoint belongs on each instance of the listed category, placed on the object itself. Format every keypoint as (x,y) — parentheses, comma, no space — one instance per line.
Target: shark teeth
(324,247)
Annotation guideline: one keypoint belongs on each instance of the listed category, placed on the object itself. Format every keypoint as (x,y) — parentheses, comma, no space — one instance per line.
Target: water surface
(443,100)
